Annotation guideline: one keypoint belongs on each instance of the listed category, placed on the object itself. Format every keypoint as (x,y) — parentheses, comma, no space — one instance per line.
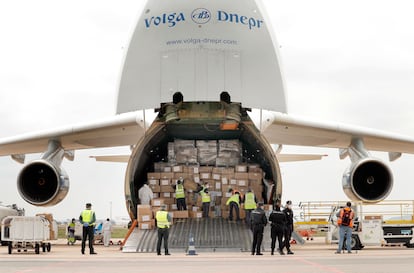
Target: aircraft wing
(120,130)
(292,130)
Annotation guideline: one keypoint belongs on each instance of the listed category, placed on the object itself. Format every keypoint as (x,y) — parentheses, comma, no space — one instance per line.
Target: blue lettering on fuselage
(169,19)
(239,19)
(202,16)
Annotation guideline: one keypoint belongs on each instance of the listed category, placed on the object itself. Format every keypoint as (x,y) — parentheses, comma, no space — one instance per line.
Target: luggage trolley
(27,232)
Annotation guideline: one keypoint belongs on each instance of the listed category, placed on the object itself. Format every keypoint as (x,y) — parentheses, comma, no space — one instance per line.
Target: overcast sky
(60,62)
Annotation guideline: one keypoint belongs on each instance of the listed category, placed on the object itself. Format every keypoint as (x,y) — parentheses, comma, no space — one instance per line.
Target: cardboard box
(145,218)
(166,195)
(255,175)
(165,182)
(240,175)
(196,214)
(155,188)
(157,202)
(146,225)
(166,175)
(205,175)
(177,169)
(180,214)
(241,168)
(153,182)
(167,188)
(155,175)
(144,210)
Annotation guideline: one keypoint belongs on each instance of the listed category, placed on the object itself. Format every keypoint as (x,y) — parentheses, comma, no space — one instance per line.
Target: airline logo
(202,16)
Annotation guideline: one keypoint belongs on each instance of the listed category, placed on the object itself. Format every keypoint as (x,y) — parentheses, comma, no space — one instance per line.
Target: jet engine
(42,183)
(368,180)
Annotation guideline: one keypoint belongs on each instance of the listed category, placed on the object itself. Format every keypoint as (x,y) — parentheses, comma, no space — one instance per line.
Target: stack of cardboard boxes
(226,174)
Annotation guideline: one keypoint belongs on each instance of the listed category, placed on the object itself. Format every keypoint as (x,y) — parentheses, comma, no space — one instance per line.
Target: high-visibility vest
(205,197)
(179,191)
(351,215)
(234,198)
(249,202)
(87,216)
(162,219)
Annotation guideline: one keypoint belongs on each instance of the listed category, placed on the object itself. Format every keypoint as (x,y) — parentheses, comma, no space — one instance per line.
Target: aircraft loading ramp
(210,234)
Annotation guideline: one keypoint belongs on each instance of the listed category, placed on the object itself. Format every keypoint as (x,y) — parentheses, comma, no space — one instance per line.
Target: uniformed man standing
(259,221)
(289,225)
(278,220)
(87,218)
(163,225)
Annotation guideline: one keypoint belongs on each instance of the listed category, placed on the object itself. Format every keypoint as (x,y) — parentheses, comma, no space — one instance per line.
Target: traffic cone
(191,246)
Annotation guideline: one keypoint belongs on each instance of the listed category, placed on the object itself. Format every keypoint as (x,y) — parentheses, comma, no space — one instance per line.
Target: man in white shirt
(145,194)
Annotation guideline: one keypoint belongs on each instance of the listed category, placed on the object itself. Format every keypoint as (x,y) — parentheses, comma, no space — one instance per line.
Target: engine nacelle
(41,183)
(368,180)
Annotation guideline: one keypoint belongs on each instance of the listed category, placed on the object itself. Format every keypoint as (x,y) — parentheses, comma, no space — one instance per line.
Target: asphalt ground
(312,257)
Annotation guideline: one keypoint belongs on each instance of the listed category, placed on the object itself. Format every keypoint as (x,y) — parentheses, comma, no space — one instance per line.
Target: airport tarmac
(312,257)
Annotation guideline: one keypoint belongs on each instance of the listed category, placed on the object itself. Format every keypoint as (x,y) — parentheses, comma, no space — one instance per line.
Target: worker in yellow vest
(163,224)
(205,199)
(234,203)
(249,204)
(180,194)
(87,218)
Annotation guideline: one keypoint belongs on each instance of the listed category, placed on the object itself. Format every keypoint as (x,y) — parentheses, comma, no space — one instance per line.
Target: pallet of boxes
(216,162)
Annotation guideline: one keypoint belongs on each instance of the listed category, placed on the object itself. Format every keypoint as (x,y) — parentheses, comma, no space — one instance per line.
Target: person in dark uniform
(278,220)
(258,221)
(289,226)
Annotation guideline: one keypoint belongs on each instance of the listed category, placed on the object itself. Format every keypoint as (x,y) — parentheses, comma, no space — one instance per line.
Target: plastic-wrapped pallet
(207,152)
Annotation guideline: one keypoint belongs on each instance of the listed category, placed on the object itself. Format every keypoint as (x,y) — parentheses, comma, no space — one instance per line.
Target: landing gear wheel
(43,247)
(37,248)
(48,247)
(10,247)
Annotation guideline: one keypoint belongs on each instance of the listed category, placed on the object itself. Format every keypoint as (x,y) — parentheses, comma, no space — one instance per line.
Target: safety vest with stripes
(179,191)
(87,216)
(249,202)
(205,197)
(234,198)
(162,219)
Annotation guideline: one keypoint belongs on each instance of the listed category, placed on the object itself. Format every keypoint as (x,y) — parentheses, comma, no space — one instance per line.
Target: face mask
(289,206)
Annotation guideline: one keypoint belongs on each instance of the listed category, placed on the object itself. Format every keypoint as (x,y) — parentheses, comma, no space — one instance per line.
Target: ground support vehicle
(28,232)
(371,228)
(9,211)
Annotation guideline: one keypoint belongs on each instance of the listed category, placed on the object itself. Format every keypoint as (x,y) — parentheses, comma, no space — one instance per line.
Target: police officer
(258,221)
(87,218)
(278,220)
(289,225)
(163,225)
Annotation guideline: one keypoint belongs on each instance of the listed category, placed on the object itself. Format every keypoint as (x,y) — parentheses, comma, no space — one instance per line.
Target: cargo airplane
(205,67)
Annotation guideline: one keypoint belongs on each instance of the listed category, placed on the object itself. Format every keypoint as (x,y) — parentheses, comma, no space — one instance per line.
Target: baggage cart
(28,232)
